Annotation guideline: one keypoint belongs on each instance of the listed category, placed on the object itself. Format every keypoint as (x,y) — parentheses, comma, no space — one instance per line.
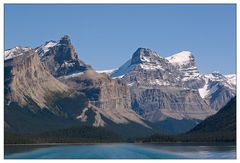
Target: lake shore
(169,143)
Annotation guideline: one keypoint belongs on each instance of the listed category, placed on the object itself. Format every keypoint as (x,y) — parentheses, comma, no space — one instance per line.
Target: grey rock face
(157,104)
(107,98)
(25,78)
(60,57)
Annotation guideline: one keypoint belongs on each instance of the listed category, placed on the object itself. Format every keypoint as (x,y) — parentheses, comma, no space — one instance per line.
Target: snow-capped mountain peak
(15,52)
(144,55)
(63,57)
(45,48)
(183,58)
(142,58)
(185,62)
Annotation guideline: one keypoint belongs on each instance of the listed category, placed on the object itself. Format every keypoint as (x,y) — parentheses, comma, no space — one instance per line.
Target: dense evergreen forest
(84,134)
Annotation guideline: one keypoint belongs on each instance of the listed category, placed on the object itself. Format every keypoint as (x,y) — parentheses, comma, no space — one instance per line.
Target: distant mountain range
(48,88)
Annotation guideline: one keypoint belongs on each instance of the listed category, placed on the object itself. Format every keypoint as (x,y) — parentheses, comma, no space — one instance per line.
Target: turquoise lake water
(121,151)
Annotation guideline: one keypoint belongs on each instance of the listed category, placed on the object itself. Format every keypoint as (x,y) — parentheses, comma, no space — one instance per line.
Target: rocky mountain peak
(65,40)
(62,50)
(144,55)
(61,58)
(185,62)
(66,51)
(145,60)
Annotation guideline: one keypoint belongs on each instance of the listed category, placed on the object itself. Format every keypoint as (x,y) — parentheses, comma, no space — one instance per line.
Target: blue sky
(106,36)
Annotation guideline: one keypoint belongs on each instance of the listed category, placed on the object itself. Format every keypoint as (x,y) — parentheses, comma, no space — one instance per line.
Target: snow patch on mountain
(182,58)
(159,82)
(214,80)
(71,75)
(15,52)
(43,49)
(149,66)
(231,78)
(83,117)
(68,64)
(108,72)
(125,68)
(216,76)
(207,89)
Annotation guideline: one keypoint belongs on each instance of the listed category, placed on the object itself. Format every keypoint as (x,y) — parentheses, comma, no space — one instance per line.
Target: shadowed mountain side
(223,121)
(220,127)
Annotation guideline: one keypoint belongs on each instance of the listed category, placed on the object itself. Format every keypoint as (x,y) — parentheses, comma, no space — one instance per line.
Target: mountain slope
(217,90)
(223,121)
(25,77)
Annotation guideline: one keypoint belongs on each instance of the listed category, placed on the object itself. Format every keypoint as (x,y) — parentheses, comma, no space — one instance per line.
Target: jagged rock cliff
(60,57)
(26,78)
(108,98)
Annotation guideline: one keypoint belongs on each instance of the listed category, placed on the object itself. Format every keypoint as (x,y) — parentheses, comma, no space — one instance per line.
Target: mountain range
(49,87)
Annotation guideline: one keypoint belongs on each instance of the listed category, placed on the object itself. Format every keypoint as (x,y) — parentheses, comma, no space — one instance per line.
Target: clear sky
(106,36)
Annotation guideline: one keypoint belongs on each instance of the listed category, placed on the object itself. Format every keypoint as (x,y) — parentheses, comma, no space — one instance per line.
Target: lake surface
(121,151)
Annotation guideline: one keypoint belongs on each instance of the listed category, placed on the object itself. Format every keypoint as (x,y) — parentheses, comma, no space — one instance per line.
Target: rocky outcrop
(60,57)
(108,98)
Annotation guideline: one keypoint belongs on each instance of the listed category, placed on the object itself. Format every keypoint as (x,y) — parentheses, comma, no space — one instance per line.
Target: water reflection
(136,151)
